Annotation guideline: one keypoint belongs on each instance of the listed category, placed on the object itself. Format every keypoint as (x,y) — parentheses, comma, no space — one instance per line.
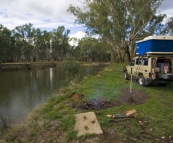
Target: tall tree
(92,48)
(121,23)
(42,44)
(60,44)
(7,45)
(2,44)
(170,25)
(25,33)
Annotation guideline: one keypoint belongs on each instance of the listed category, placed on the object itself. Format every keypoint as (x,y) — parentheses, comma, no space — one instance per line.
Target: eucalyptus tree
(24,36)
(92,48)
(73,49)
(143,21)
(121,22)
(7,45)
(84,49)
(1,43)
(37,42)
(170,25)
(59,43)
(102,50)
(42,44)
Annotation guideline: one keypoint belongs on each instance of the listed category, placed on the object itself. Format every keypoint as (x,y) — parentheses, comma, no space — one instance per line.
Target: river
(21,91)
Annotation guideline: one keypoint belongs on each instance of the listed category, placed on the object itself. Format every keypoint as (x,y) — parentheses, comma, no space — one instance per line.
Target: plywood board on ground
(87,123)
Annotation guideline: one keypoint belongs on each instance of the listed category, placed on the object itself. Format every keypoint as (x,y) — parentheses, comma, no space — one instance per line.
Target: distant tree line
(26,43)
(118,24)
(121,23)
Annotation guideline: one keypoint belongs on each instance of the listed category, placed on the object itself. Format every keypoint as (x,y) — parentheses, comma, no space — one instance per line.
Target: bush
(72,70)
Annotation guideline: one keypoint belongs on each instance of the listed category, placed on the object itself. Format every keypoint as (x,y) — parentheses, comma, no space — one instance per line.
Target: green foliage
(53,115)
(66,122)
(112,57)
(84,137)
(34,125)
(170,25)
(71,69)
(7,45)
(27,43)
(46,125)
(71,135)
(47,108)
(60,44)
(57,99)
(91,49)
(121,22)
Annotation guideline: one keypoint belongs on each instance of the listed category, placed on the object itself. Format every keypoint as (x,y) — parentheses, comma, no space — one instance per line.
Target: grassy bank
(54,121)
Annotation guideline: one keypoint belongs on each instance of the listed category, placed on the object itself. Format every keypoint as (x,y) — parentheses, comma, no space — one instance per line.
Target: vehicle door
(145,67)
(141,67)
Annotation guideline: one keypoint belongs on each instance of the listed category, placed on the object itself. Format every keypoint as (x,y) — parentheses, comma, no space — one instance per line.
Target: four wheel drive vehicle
(151,69)
(154,61)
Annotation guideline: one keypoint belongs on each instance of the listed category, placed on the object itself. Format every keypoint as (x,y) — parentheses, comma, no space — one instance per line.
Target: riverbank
(37,65)
(55,120)
(27,65)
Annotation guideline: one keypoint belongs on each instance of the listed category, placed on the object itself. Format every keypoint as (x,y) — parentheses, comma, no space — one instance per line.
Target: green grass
(71,135)
(153,124)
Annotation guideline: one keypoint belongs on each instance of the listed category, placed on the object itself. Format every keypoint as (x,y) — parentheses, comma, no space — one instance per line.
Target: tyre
(124,69)
(126,75)
(142,81)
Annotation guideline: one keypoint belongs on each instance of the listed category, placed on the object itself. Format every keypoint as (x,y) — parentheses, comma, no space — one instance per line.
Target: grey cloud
(166,4)
(166,8)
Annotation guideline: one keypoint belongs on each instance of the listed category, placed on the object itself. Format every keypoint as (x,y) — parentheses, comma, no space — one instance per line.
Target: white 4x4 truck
(153,63)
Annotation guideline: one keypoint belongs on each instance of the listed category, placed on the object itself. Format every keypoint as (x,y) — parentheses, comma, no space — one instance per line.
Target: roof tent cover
(155,45)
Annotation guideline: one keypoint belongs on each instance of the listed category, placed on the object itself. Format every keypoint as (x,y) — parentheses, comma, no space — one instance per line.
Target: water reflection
(21,91)
(51,76)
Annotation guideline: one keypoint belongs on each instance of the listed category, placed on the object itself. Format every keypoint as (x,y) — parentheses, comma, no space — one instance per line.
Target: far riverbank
(37,65)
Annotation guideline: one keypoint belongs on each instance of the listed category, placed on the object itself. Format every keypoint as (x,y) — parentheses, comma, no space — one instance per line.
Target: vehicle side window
(142,61)
(132,63)
(145,61)
(138,62)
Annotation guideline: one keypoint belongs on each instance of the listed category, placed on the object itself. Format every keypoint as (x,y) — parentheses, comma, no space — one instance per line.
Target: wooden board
(87,123)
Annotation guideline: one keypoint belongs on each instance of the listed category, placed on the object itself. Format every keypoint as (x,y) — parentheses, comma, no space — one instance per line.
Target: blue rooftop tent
(155,45)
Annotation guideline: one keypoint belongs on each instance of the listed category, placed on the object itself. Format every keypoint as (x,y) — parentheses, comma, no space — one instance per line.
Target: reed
(5,122)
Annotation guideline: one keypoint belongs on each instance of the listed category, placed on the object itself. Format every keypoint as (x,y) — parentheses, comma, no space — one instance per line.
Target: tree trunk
(124,54)
(128,53)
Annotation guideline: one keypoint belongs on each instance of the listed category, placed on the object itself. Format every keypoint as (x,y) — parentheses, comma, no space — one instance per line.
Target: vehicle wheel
(142,81)
(126,75)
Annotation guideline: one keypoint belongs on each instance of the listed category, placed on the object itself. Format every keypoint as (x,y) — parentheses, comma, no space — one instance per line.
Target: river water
(21,91)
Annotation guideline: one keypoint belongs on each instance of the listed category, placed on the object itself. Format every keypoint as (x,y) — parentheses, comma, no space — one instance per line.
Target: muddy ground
(136,97)
(110,135)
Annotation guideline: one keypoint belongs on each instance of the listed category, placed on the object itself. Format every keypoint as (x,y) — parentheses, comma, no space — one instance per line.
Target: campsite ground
(54,121)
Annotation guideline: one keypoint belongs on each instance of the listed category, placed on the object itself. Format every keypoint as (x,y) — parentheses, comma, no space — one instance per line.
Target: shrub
(72,70)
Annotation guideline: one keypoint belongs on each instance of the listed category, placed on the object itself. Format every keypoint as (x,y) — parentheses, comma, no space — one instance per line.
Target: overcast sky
(49,14)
